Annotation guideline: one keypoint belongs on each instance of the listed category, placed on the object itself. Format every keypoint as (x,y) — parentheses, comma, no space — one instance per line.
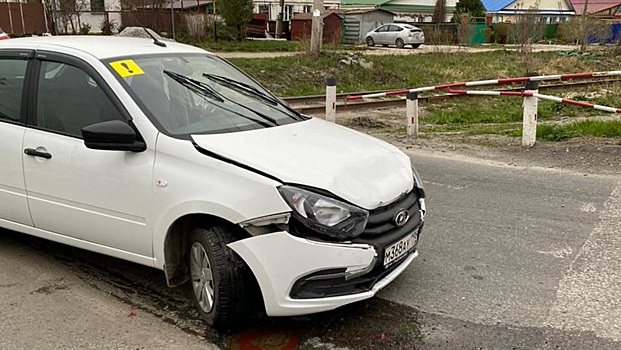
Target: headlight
(325,215)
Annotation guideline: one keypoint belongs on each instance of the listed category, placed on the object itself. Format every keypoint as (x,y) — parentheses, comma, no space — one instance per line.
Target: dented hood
(356,167)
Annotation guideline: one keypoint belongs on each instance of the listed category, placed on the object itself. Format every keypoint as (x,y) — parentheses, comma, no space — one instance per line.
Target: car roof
(101,47)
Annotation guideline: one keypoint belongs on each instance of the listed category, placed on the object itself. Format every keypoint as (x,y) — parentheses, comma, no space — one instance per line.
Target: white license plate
(399,249)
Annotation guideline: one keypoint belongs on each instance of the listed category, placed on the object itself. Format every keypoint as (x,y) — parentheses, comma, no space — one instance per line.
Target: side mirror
(113,135)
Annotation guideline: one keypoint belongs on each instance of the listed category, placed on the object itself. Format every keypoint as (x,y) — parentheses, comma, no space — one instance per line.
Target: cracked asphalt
(512,257)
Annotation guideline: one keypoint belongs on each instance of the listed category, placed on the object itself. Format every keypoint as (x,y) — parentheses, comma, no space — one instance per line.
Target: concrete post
(412,114)
(529,124)
(331,99)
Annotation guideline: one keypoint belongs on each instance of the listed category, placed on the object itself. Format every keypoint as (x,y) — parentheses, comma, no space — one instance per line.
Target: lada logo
(401,218)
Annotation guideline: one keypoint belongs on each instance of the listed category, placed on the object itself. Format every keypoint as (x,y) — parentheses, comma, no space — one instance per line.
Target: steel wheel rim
(202,277)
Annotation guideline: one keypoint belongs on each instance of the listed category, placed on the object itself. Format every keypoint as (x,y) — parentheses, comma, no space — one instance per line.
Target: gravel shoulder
(380,51)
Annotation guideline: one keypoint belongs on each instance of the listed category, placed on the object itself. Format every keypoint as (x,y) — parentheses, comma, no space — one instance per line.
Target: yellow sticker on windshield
(126,68)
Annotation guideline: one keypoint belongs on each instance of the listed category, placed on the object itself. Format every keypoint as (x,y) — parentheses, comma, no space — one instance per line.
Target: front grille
(307,289)
(382,220)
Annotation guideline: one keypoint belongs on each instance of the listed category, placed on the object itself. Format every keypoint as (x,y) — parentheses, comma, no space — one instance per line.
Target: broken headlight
(325,215)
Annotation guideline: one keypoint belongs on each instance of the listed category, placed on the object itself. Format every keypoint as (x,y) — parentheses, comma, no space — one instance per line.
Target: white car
(398,34)
(168,156)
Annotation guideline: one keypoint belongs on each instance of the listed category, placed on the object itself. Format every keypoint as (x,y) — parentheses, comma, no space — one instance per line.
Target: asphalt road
(511,257)
(519,247)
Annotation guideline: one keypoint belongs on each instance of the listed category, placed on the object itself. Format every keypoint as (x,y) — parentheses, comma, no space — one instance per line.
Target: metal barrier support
(529,123)
(331,99)
(412,114)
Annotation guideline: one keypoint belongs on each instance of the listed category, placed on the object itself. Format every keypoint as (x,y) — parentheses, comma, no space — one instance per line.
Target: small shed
(302,24)
(357,23)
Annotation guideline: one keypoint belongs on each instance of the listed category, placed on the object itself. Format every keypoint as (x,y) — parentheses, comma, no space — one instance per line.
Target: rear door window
(12,76)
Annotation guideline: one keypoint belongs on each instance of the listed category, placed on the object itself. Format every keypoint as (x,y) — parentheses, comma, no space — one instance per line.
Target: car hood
(358,168)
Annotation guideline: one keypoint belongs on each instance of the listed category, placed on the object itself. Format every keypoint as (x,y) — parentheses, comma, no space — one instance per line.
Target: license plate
(399,249)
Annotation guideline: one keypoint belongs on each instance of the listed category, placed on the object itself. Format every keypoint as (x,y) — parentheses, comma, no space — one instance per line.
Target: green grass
(304,75)
(579,129)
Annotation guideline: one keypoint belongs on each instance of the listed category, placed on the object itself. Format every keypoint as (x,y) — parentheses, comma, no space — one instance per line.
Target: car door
(13,71)
(380,34)
(101,197)
(393,33)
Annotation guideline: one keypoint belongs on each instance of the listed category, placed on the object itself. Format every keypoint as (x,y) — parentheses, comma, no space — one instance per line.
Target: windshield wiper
(194,85)
(242,87)
(207,90)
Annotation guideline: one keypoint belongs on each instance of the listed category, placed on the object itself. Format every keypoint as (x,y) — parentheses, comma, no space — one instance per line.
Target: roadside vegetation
(503,116)
(303,75)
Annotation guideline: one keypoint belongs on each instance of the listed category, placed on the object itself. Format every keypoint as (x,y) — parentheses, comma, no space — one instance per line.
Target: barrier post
(412,113)
(529,123)
(331,99)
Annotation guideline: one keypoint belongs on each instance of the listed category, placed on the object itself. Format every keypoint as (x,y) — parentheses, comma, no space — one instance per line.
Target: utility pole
(215,21)
(279,20)
(585,39)
(317,28)
(172,18)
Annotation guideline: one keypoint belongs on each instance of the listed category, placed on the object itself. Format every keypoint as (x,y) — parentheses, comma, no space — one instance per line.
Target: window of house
(12,73)
(97,5)
(288,12)
(308,8)
(264,9)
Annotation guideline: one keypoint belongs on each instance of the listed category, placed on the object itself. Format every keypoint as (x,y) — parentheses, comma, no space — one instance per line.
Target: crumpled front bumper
(280,259)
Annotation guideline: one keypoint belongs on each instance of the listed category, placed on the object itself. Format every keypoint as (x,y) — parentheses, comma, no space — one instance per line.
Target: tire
(399,42)
(219,282)
(370,42)
(415,46)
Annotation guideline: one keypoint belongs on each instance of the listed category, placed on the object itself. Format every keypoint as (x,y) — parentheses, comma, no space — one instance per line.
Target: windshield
(199,94)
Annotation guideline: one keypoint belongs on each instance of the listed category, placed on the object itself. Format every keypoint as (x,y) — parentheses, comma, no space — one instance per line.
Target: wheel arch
(172,233)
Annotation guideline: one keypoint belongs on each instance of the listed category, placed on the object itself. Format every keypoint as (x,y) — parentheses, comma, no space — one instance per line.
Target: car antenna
(155,41)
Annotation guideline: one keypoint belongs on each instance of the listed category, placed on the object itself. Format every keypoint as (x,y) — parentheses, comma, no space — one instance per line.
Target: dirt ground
(379,50)
(584,155)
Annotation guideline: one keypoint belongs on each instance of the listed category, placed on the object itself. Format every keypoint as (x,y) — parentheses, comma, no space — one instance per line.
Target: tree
(474,8)
(439,12)
(236,14)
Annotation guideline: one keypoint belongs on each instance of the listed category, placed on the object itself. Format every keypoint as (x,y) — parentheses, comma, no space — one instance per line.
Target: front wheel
(370,42)
(218,276)
(399,42)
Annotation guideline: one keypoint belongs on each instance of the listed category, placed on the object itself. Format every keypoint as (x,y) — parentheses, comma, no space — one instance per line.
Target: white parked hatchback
(170,157)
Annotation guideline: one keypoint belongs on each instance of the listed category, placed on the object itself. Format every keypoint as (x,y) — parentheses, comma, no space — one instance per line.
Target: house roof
(594,5)
(358,11)
(309,16)
(363,3)
(495,5)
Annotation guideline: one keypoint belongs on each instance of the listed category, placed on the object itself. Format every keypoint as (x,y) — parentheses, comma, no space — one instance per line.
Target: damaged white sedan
(168,156)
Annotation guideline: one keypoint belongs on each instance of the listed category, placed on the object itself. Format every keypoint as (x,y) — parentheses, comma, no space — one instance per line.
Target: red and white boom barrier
(506,81)
(539,96)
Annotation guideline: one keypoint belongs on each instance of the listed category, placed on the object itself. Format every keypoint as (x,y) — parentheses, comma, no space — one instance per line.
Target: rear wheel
(399,42)
(370,42)
(218,276)
(415,46)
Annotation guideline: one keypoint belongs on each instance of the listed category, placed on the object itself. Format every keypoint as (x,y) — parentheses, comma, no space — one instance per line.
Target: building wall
(551,11)
(545,5)
(372,20)
(301,29)
(94,19)
(272,7)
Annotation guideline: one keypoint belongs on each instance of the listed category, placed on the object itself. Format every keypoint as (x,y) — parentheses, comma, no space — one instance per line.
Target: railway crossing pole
(412,114)
(331,99)
(529,123)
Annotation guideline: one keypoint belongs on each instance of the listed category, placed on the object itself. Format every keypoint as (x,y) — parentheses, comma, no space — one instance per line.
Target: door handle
(33,152)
